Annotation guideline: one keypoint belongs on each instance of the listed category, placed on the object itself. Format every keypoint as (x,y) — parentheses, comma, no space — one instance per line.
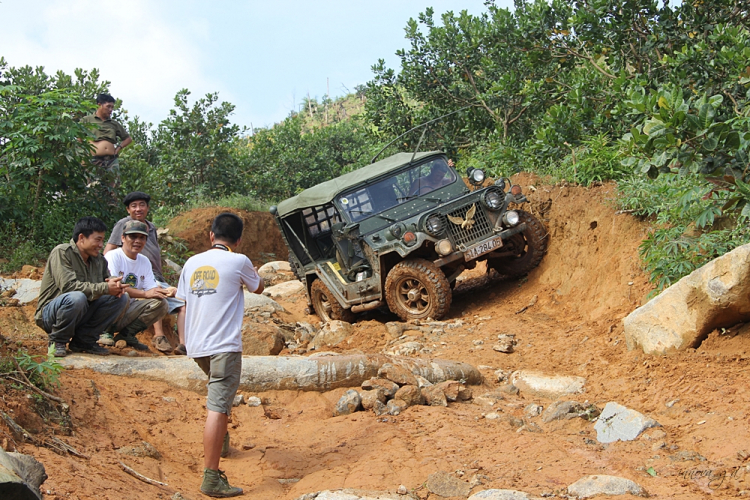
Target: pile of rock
(395,389)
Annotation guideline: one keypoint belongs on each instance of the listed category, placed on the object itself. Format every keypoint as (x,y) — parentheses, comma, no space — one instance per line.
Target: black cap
(136,195)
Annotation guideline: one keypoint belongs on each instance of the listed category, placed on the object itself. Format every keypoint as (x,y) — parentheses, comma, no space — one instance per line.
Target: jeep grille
(480,230)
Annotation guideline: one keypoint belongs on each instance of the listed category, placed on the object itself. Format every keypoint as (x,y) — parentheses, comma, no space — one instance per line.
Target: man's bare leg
(213,438)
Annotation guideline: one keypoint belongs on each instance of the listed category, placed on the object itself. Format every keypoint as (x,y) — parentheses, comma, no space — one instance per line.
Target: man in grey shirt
(137,205)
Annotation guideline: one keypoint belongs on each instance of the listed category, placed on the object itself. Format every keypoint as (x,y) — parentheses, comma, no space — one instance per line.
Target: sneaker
(225,446)
(162,344)
(215,484)
(180,350)
(60,351)
(106,339)
(131,342)
(93,349)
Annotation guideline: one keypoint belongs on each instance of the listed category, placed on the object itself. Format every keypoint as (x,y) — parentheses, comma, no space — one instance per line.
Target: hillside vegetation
(650,95)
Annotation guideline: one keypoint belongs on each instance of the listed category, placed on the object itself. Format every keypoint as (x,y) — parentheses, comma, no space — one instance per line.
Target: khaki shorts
(223,372)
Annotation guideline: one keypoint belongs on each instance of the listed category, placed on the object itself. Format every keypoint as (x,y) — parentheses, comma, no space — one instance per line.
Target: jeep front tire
(417,289)
(529,247)
(326,306)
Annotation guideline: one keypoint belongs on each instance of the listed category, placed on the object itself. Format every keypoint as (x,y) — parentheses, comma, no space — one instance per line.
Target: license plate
(483,248)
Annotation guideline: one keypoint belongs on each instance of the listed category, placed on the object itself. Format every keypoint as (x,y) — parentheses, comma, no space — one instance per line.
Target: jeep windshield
(399,188)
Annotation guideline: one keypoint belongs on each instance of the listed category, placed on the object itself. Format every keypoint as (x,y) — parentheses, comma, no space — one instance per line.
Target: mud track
(567,317)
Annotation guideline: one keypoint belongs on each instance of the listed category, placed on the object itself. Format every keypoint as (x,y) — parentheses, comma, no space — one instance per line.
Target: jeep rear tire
(417,289)
(326,306)
(529,247)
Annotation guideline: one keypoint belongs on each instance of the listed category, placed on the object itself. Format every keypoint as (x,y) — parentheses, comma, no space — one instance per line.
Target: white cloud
(147,54)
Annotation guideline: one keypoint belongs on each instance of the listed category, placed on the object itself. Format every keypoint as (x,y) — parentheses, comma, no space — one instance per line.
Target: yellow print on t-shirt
(204,281)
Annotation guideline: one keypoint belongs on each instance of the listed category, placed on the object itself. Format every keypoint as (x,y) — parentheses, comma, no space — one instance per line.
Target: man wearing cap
(78,299)
(147,300)
(106,149)
(137,205)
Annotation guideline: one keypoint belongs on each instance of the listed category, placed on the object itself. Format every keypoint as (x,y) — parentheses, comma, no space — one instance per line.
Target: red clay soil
(567,317)
(261,240)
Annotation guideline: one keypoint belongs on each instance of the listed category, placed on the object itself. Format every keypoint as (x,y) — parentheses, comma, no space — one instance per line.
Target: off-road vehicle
(400,231)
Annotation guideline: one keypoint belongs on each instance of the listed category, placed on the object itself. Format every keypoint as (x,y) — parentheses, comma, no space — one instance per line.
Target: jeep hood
(326,191)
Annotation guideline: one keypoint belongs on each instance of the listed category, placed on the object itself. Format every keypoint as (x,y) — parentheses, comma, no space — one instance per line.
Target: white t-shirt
(137,273)
(211,286)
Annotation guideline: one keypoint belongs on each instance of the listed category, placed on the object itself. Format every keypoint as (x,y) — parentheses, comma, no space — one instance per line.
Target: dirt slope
(567,316)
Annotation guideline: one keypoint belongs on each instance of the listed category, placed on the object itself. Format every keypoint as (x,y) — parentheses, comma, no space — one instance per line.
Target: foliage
(42,371)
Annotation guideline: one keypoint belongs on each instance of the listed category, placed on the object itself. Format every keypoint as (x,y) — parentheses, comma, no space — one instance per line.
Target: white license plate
(483,248)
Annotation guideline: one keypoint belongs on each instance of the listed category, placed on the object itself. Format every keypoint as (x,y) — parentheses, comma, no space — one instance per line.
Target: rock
(501,375)
(501,495)
(402,490)
(275,266)
(508,389)
(26,290)
(530,427)
(410,394)
(513,421)
(423,382)
(333,333)
(380,408)
(713,296)
(397,374)
(238,400)
(492,416)
(563,410)
(348,403)
(447,485)
(20,476)
(253,401)
(405,349)
(369,398)
(452,390)
(284,290)
(394,329)
(254,301)
(174,266)
(590,486)
(354,494)
(142,450)
(304,332)
(433,396)
(396,406)
(261,341)
(617,423)
(506,343)
(388,387)
(547,386)
(533,410)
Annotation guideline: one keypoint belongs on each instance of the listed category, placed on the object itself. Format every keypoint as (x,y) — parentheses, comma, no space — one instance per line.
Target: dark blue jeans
(72,318)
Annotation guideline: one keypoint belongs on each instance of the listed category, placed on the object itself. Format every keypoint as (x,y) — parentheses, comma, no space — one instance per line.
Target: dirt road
(566,316)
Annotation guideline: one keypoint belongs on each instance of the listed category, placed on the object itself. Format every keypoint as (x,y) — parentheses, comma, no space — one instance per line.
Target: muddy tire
(417,289)
(326,306)
(529,247)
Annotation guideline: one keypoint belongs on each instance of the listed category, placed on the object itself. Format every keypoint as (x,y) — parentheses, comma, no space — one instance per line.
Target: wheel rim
(412,295)
(325,305)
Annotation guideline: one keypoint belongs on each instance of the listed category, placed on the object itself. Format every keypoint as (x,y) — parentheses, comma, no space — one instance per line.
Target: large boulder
(716,295)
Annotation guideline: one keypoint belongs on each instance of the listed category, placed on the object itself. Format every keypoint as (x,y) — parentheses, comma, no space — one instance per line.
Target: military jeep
(398,232)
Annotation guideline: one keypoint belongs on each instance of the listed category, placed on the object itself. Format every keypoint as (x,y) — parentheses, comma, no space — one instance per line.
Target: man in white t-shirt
(148,302)
(211,285)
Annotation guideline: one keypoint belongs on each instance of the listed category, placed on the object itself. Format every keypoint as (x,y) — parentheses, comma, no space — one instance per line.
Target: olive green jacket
(109,130)
(67,272)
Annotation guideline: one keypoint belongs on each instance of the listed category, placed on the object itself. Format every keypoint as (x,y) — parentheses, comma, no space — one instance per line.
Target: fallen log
(20,476)
(267,373)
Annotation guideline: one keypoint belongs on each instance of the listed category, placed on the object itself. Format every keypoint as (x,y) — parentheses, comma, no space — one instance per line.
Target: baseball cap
(135,227)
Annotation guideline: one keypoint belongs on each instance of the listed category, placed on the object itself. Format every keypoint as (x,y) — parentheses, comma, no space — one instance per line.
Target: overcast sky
(262,56)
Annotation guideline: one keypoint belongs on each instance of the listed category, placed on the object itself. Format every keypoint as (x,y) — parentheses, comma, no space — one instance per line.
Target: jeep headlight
(397,230)
(443,247)
(434,224)
(493,200)
(476,175)
(511,218)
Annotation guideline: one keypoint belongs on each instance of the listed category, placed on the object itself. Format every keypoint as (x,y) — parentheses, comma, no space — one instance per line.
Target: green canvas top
(328,190)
